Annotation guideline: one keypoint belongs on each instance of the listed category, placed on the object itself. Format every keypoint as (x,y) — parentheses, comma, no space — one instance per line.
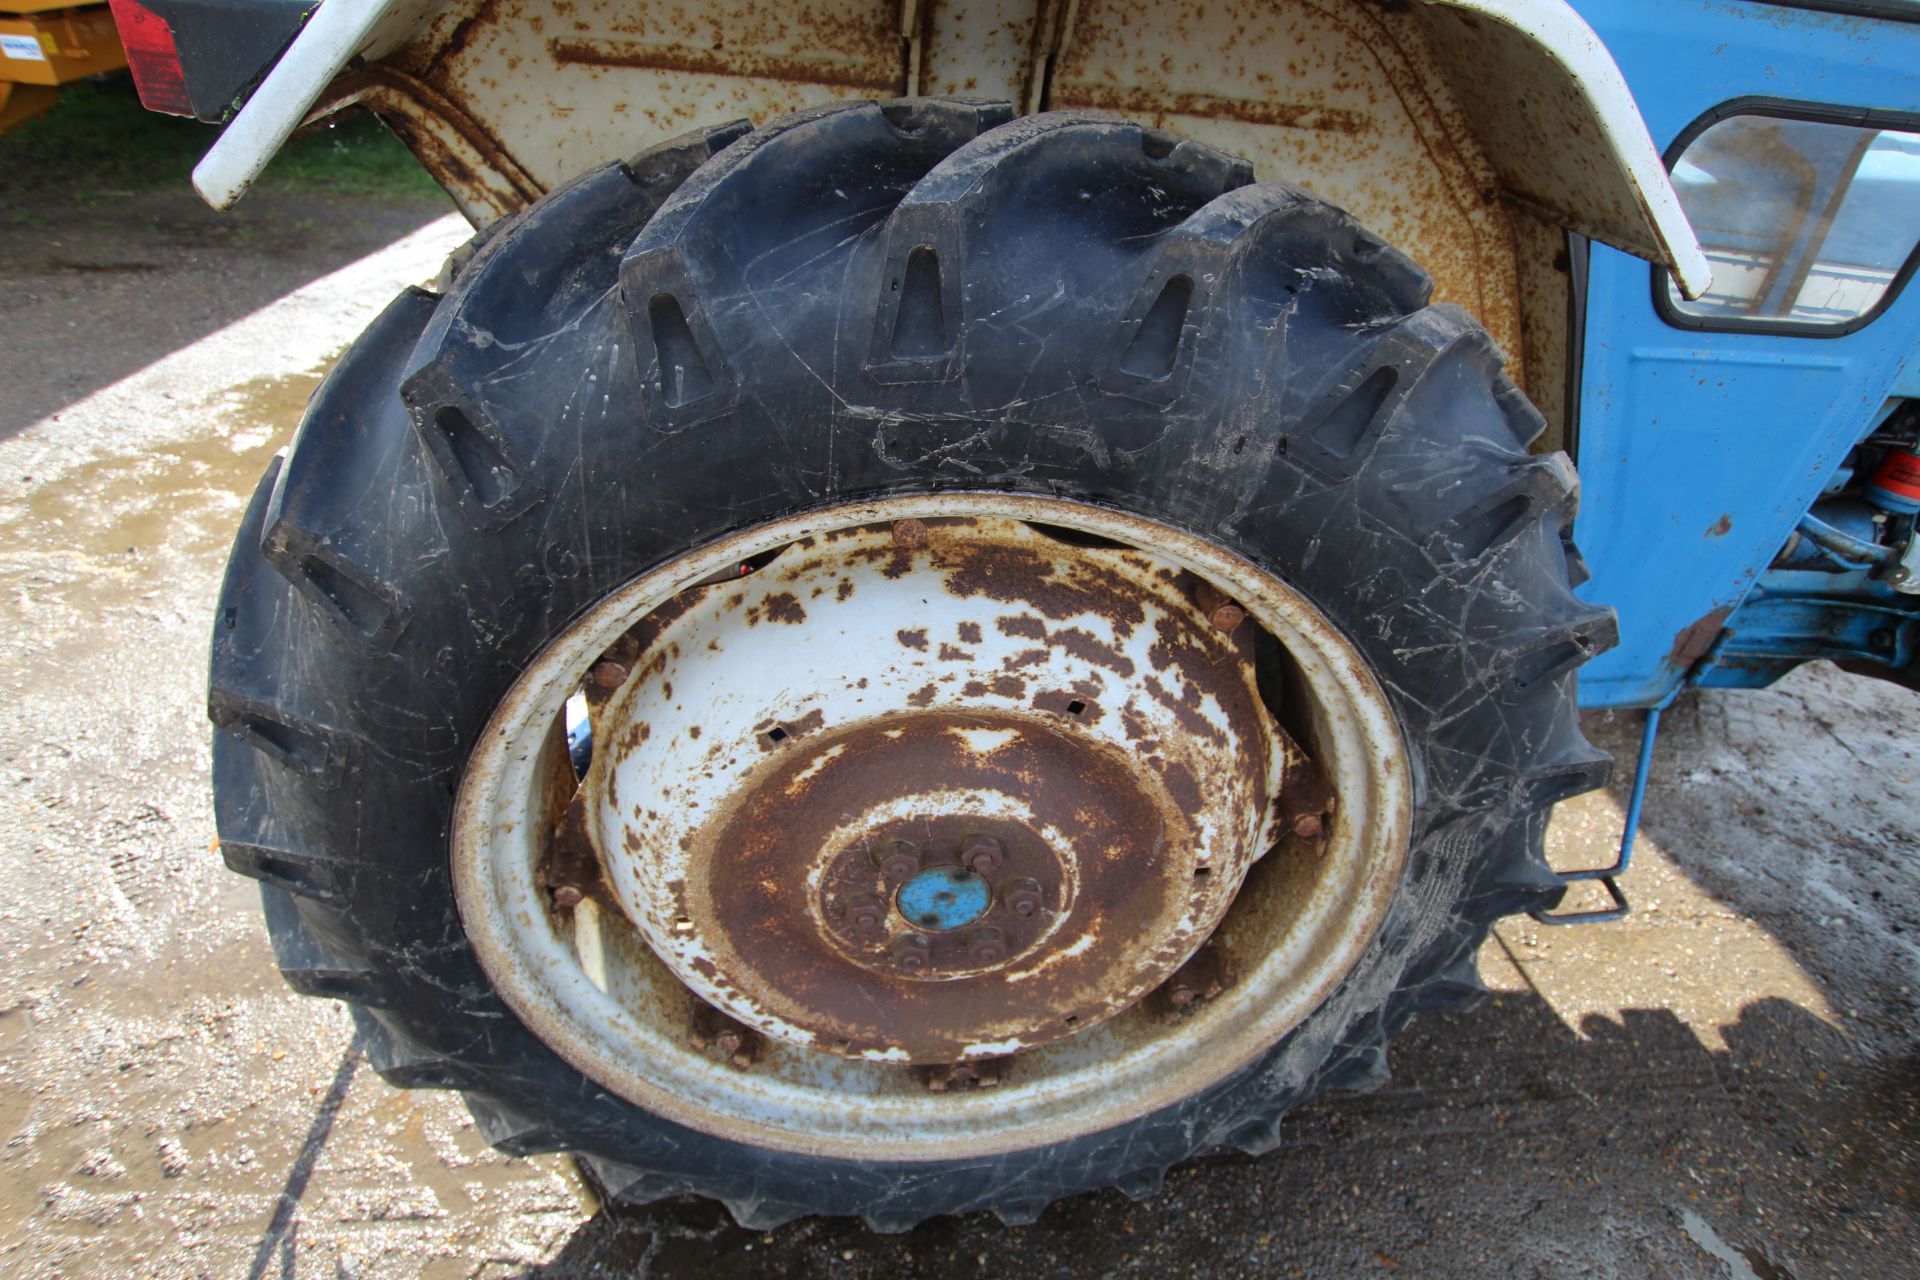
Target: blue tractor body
(1706,433)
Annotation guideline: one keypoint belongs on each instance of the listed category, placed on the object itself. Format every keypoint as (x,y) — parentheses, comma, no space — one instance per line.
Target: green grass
(99,141)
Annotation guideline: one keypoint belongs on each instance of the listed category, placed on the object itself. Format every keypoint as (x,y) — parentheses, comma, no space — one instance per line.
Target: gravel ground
(1724,1087)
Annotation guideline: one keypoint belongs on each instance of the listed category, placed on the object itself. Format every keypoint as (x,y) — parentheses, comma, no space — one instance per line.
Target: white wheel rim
(601,996)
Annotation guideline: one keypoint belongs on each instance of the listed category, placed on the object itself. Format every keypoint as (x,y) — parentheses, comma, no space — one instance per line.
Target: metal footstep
(1609,877)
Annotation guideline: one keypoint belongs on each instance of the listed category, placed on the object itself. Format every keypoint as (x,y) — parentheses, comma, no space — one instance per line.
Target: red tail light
(153,58)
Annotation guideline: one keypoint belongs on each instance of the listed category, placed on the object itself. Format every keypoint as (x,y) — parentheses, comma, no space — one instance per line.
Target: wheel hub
(607,913)
(933,794)
(943,898)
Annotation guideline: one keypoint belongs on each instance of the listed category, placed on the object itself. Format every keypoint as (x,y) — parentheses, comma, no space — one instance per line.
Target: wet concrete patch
(179,499)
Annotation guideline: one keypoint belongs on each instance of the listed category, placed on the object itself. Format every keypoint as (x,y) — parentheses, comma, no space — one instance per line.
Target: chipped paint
(1442,127)
(729,838)
(1137,827)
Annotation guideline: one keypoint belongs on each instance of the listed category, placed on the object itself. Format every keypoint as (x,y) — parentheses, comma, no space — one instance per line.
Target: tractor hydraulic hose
(1854,553)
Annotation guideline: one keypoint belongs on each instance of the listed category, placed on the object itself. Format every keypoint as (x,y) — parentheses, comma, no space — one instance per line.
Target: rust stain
(1011,687)
(1306,800)
(1086,645)
(1011,574)
(1079,704)
(1691,642)
(1136,883)
(460,37)
(1027,658)
(1024,626)
(724,62)
(829,977)
(1155,102)
(466,158)
(1185,707)
(785,607)
(772,734)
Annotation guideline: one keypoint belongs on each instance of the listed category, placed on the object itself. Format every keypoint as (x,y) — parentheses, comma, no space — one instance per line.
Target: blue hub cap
(942,898)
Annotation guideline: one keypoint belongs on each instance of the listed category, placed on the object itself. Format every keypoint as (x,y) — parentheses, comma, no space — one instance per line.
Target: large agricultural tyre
(903,662)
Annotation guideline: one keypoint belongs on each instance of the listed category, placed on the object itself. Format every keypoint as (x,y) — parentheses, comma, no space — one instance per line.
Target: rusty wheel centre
(931,793)
(952,781)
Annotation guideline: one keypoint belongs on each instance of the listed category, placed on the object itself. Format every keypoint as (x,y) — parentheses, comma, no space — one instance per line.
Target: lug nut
(1194,982)
(986,946)
(897,859)
(979,1073)
(909,534)
(708,1028)
(864,913)
(1309,826)
(911,952)
(982,855)
(1222,612)
(566,897)
(609,674)
(1022,896)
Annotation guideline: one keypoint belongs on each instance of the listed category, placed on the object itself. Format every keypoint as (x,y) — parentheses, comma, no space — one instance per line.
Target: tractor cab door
(1706,428)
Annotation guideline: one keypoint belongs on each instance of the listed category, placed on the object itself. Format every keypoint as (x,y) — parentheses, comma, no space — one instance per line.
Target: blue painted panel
(1680,429)
(1792,617)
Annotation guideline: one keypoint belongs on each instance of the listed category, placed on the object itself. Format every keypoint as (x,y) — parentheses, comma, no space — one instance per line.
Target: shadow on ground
(1516,1147)
(109,260)
(1512,1144)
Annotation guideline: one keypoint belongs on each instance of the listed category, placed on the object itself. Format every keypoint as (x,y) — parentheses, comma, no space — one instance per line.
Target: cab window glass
(1806,223)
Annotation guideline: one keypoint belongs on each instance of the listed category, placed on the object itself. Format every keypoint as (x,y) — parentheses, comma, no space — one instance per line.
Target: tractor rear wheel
(902,662)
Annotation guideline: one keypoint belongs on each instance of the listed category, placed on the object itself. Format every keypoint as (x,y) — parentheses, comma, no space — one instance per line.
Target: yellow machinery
(45,44)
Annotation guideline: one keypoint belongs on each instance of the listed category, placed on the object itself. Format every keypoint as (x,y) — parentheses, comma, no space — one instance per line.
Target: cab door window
(1810,225)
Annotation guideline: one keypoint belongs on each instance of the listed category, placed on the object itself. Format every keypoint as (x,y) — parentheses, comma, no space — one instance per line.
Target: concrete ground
(1724,1087)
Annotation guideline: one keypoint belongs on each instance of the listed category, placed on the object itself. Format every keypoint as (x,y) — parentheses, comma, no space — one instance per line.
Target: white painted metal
(1360,116)
(840,635)
(1532,74)
(338,30)
(1548,107)
(604,1000)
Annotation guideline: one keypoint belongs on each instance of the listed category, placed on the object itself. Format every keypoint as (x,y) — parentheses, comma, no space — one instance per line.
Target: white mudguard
(1552,113)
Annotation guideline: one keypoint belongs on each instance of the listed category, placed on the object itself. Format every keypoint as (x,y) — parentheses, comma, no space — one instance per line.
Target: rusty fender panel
(560,86)
(1342,96)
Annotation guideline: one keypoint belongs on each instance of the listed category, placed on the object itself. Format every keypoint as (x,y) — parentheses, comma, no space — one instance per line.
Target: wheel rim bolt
(608,674)
(1222,612)
(864,913)
(1022,896)
(911,952)
(1195,982)
(985,946)
(982,855)
(898,860)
